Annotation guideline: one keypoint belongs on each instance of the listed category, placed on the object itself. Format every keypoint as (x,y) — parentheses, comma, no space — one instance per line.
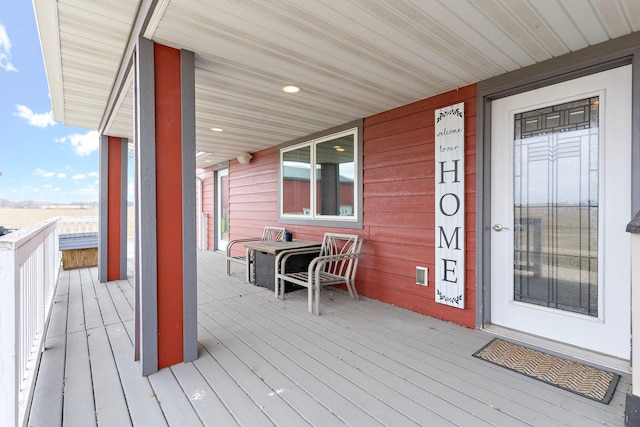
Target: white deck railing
(78,224)
(29,266)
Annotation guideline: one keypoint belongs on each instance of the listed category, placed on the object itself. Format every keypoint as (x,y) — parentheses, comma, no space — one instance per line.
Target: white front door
(560,201)
(222,214)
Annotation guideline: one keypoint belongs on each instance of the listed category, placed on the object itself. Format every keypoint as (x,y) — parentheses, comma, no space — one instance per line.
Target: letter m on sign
(449,205)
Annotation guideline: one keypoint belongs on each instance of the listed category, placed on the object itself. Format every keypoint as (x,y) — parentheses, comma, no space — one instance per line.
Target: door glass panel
(556,206)
(224,207)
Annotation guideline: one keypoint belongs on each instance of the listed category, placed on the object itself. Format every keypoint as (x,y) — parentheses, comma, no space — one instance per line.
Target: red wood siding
(399,204)
(253,192)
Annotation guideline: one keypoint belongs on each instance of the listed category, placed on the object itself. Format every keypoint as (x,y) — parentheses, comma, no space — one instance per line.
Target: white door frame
(609,332)
(587,61)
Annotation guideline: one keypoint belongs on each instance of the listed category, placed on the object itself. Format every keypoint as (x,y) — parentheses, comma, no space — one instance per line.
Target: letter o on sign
(451,207)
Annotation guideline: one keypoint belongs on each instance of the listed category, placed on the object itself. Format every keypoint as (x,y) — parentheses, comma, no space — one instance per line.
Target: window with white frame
(320,180)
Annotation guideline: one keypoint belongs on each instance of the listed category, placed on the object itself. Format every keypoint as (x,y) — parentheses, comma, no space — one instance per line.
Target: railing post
(41,285)
(632,408)
(9,339)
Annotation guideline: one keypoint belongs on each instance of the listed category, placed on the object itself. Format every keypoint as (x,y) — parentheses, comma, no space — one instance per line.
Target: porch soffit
(351,58)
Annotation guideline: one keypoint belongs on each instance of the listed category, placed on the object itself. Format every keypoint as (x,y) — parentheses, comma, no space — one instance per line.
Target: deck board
(46,406)
(389,380)
(204,399)
(268,362)
(279,398)
(120,301)
(174,403)
(144,408)
(79,408)
(93,317)
(398,376)
(235,399)
(75,313)
(111,406)
(343,388)
(106,306)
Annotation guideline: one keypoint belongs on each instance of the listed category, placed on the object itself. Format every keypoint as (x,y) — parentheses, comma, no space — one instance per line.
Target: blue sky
(39,158)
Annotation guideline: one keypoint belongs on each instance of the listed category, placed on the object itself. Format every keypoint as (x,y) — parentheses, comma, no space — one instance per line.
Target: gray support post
(146,277)
(124,171)
(189,245)
(635,134)
(103,208)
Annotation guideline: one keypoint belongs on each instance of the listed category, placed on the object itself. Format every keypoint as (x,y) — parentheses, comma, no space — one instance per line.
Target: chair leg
(310,295)
(247,272)
(316,308)
(352,290)
(228,268)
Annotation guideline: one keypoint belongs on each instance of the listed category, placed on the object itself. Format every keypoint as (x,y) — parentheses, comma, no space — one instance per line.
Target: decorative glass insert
(556,206)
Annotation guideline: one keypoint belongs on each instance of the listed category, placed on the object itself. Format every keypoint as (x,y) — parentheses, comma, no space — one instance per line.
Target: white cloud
(40,120)
(83,144)
(5,50)
(93,174)
(42,173)
(79,176)
(48,174)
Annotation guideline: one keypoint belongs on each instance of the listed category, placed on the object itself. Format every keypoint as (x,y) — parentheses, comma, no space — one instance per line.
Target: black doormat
(576,377)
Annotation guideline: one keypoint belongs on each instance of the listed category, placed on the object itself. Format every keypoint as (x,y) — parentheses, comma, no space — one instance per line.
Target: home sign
(450,237)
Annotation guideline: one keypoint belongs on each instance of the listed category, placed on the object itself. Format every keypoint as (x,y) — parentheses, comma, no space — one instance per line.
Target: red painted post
(114,208)
(169,212)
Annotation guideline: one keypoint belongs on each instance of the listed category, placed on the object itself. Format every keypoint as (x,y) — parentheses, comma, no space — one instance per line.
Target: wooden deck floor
(265,362)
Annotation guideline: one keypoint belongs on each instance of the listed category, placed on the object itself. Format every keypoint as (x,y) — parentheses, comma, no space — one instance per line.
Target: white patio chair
(336,264)
(268,234)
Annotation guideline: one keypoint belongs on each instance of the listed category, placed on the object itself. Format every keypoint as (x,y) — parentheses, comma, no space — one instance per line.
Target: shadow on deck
(265,362)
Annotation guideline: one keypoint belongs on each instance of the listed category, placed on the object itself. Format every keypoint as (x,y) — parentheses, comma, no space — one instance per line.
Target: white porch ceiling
(352,58)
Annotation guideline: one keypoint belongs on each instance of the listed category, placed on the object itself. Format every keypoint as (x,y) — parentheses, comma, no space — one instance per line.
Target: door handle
(499,227)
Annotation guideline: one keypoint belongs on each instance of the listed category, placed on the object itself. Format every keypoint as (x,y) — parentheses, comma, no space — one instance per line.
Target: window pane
(335,176)
(296,181)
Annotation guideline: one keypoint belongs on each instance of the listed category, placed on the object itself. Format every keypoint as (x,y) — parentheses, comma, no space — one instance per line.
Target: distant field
(14,218)
(19,218)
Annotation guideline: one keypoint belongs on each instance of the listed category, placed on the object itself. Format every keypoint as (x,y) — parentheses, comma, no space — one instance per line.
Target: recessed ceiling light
(291,89)
(217,129)
(339,148)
